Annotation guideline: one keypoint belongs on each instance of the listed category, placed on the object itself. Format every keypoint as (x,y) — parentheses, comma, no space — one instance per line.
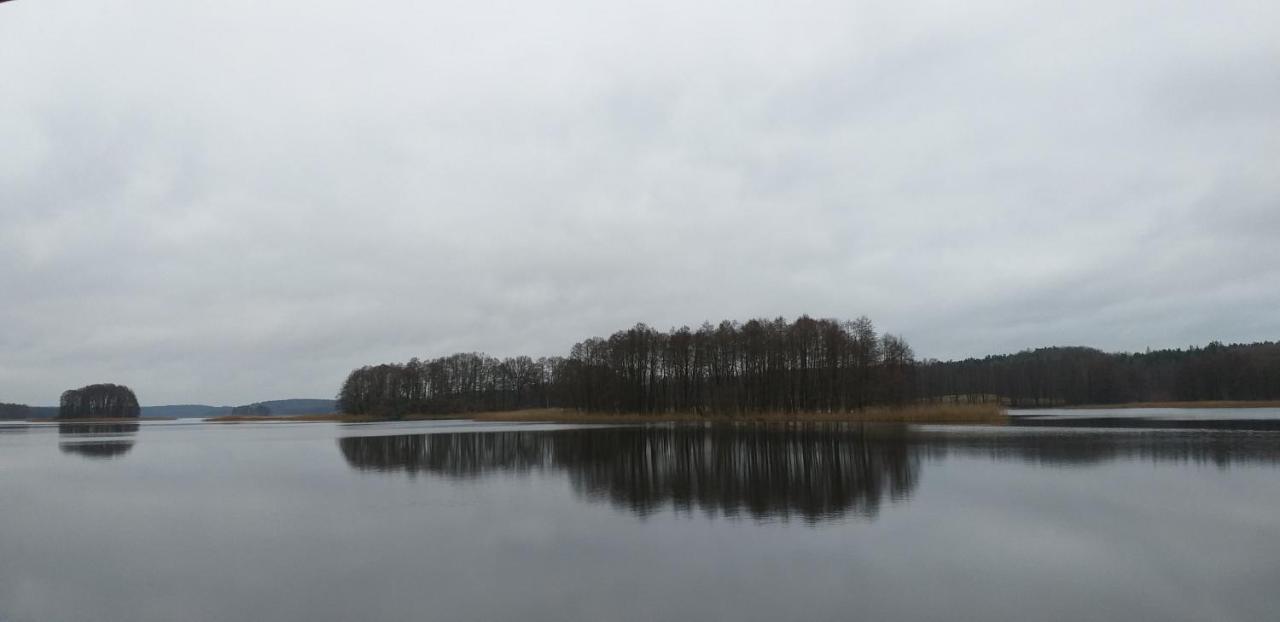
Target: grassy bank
(933,413)
(1205,404)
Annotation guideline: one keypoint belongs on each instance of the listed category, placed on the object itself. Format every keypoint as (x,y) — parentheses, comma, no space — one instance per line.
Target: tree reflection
(814,472)
(811,471)
(99,441)
(1082,447)
(14,428)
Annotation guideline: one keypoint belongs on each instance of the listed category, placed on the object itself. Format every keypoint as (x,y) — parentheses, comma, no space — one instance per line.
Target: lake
(1061,515)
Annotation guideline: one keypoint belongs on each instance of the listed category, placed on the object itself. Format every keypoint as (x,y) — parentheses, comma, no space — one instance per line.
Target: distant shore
(944,413)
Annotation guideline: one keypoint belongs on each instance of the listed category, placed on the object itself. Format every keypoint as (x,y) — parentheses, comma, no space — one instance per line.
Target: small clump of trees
(14,411)
(758,366)
(99,401)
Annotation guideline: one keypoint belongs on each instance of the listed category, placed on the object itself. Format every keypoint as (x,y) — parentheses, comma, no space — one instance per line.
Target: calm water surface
(1062,515)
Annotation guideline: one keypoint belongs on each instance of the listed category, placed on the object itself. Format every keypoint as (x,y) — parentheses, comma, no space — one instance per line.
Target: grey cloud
(225,203)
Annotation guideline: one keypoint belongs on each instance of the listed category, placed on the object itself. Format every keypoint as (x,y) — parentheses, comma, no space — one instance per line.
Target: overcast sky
(231,201)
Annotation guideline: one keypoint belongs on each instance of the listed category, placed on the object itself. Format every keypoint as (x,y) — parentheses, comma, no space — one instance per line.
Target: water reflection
(1066,447)
(815,472)
(1261,422)
(99,441)
(811,472)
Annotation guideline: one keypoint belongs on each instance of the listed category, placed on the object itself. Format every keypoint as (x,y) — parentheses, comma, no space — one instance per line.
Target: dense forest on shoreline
(1072,376)
(765,366)
(759,366)
(808,365)
(14,411)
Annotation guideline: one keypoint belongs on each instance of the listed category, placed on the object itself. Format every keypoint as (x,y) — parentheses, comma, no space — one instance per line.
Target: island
(99,401)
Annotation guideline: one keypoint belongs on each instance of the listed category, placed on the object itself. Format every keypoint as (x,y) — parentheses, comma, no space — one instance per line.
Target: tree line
(14,411)
(460,383)
(807,365)
(1064,376)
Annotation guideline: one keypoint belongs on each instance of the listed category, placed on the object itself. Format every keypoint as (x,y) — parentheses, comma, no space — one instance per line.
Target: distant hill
(189,411)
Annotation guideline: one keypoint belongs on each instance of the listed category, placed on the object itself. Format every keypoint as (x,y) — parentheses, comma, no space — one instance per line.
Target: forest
(806,365)
(14,411)
(759,366)
(1068,376)
(99,401)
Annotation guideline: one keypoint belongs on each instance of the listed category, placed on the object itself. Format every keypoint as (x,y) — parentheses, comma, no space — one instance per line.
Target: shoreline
(947,414)
(971,414)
